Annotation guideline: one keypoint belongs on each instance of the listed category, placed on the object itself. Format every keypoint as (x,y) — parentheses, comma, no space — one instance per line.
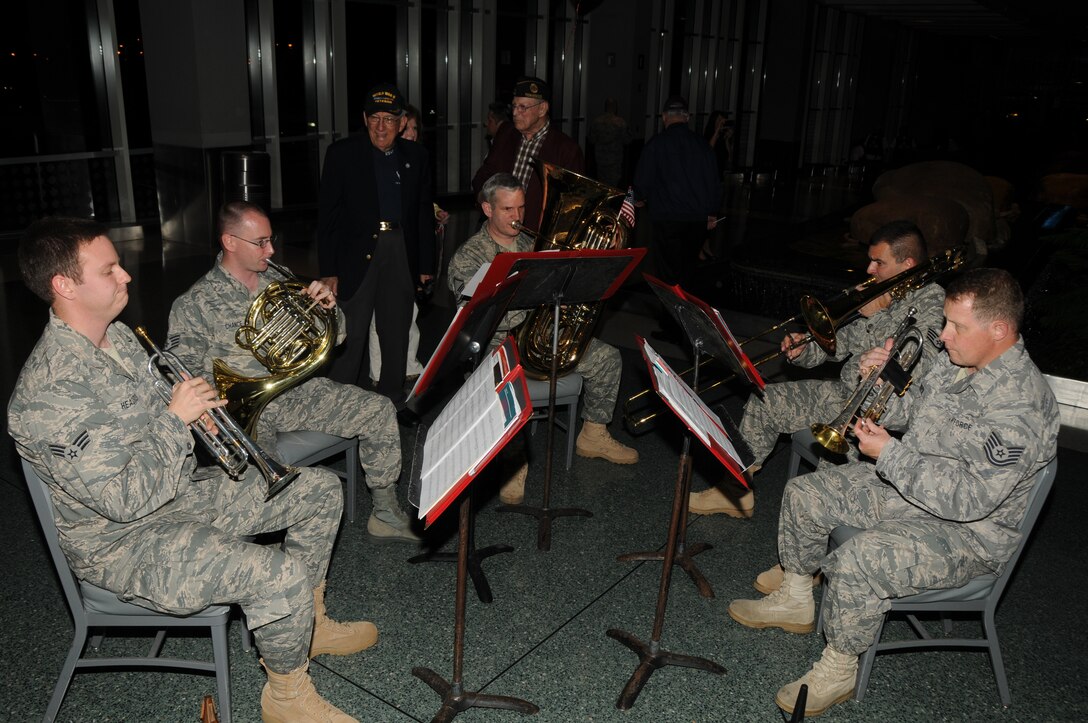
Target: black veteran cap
(384,98)
(533,88)
(676,104)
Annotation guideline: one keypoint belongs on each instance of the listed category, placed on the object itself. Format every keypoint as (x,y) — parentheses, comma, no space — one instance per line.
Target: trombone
(232,447)
(823,320)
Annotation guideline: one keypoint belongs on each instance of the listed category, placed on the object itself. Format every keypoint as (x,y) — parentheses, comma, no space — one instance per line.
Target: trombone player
(135,515)
(203,322)
(787,407)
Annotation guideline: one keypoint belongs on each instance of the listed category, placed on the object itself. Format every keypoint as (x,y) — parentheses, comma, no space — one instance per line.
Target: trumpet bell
(830,438)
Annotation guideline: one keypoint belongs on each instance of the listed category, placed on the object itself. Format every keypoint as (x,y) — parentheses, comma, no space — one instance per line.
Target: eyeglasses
(382,120)
(523,107)
(261,242)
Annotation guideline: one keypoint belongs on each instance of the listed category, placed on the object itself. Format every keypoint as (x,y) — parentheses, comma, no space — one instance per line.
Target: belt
(387,225)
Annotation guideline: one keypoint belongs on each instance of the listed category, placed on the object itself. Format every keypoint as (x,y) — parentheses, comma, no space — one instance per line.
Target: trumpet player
(787,407)
(938,507)
(203,322)
(503,203)
(134,514)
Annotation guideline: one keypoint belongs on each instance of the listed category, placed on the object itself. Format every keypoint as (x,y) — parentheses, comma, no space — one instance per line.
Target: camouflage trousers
(600,367)
(181,566)
(787,407)
(345,410)
(902,550)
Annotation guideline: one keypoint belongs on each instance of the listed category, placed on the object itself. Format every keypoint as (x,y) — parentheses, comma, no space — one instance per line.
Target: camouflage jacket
(478,250)
(204,320)
(116,461)
(863,334)
(973,446)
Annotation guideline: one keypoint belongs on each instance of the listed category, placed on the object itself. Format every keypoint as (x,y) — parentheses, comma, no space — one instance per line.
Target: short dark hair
(905,239)
(231,214)
(410,111)
(499,182)
(994,294)
(50,246)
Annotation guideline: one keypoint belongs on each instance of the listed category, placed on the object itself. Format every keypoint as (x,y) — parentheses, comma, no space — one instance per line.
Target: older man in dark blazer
(375,237)
(533,137)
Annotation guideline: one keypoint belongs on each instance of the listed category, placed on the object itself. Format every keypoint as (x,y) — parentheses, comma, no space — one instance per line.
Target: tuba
(286,331)
(576,216)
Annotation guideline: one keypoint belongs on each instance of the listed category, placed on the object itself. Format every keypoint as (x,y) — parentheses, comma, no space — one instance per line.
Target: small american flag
(627,209)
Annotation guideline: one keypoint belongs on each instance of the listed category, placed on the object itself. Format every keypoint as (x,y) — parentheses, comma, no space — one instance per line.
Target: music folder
(706,328)
(706,426)
(486,412)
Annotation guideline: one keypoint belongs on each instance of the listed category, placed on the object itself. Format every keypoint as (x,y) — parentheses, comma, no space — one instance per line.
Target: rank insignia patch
(73,450)
(999,453)
(934,337)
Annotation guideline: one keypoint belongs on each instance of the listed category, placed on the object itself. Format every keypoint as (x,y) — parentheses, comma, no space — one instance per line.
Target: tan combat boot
(790,607)
(713,501)
(770,580)
(595,441)
(292,698)
(830,681)
(334,638)
(388,522)
(512,491)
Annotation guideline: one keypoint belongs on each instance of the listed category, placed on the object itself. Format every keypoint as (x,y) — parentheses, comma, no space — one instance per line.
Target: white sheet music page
(469,428)
(688,406)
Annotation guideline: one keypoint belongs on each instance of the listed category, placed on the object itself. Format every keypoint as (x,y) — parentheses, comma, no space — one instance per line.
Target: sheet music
(694,412)
(470,286)
(471,426)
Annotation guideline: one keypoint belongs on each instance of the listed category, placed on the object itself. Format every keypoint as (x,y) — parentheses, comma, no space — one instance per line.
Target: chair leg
(79,639)
(994,648)
(865,663)
(352,461)
(795,464)
(221,654)
(572,422)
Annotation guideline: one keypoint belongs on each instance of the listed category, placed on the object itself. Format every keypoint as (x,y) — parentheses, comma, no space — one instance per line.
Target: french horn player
(221,317)
(503,203)
(895,249)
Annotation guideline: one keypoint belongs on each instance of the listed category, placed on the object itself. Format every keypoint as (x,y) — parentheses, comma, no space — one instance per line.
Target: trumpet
(231,446)
(823,320)
(906,349)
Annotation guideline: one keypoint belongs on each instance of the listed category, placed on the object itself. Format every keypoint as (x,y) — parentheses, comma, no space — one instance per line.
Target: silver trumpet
(906,349)
(231,446)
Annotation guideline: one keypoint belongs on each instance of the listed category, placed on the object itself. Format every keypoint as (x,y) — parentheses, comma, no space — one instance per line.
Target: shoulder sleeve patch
(74,449)
(1001,454)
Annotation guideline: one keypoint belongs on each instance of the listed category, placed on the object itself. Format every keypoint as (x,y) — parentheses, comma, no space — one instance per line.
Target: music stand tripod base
(684,555)
(455,700)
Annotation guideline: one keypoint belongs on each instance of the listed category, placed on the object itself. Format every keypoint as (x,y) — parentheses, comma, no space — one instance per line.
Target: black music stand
(460,350)
(555,278)
(455,699)
(697,417)
(706,330)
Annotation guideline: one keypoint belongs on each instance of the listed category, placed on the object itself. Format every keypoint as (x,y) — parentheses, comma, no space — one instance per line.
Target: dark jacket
(348,213)
(558,148)
(678,176)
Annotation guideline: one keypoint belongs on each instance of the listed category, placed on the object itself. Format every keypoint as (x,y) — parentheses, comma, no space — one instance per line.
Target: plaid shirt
(527,153)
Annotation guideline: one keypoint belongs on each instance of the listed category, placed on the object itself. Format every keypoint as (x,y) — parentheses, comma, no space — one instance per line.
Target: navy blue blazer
(348,213)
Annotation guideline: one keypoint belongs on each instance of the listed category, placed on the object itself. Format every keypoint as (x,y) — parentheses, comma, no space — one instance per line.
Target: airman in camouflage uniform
(203,322)
(135,515)
(600,365)
(939,507)
(787,407)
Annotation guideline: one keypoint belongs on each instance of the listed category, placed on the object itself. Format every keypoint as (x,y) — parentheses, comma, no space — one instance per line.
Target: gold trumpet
(823,320)
(905,352)
(232,448)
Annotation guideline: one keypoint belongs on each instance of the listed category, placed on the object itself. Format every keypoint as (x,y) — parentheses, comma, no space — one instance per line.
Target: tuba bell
(576,216)
(287,332)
